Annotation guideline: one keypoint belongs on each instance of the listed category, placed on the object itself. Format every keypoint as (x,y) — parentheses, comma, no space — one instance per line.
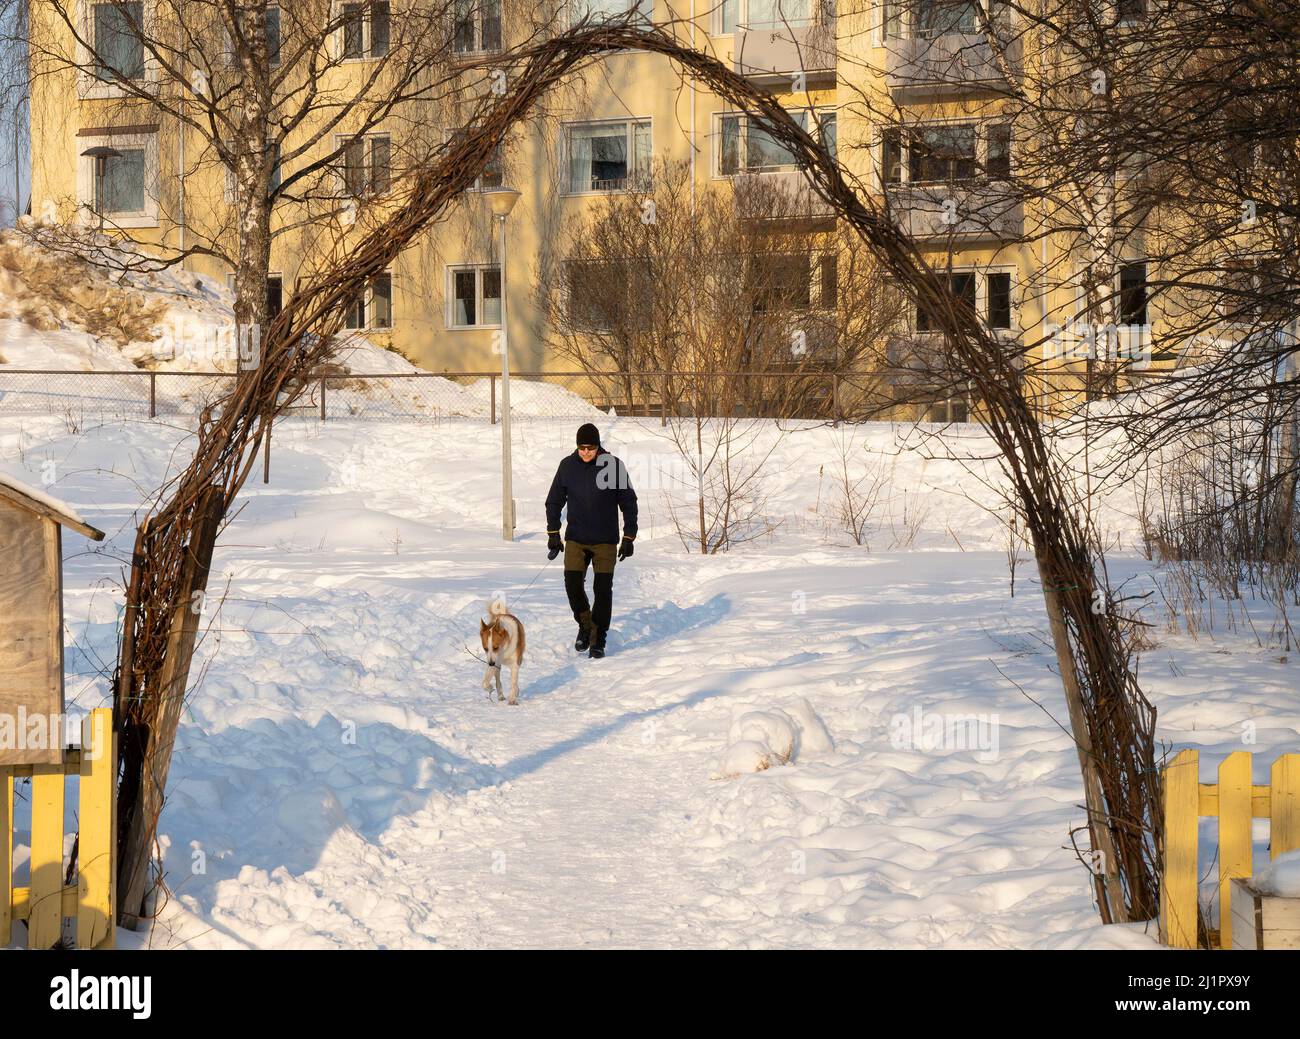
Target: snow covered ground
(341,781)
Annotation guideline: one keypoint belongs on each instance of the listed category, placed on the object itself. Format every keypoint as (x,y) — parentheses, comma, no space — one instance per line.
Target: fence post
(492,382)
(835,400)
(1284,805)
(1182,805)
(322,398)
(45,896)
(153,394)
(1234,834)
(97,833)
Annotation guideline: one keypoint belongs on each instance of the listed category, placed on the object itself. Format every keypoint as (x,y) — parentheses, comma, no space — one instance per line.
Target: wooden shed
(31,635)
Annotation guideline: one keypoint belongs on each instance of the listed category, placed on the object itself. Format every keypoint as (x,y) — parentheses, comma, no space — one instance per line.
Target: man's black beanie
(588,434)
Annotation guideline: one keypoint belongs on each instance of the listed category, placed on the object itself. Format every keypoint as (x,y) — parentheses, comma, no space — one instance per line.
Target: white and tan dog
(503,642)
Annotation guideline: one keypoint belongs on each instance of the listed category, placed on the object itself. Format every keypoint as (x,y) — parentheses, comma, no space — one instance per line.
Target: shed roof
(33,500)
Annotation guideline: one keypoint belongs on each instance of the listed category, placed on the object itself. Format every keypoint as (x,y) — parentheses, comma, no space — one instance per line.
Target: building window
(961,284)
(373,308)
(119,46)
(128,193)
(945,153)
(998,300)
(273,35)
(124,177)
(745,147)
(763,14)
(1131,10)
(994,302)
(608,10)
(780,281)
(608,295)
(366,165)
(944,17)
(1133,294)
(365,30)
(941,153)
(829,282)
(476,26)
(613,156)
(274,293)
(997,162)
(492,175)
(474,296)
(926,19)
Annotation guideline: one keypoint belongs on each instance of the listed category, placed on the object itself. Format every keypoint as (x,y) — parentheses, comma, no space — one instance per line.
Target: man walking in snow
(595,486)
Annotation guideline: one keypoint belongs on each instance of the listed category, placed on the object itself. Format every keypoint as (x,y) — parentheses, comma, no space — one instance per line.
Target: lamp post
(501,201)
(101,154)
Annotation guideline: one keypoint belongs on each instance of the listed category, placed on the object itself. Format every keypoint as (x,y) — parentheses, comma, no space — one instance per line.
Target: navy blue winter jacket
(595,491)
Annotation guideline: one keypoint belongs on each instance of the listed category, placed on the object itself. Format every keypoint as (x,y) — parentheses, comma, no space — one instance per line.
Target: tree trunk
(141,805)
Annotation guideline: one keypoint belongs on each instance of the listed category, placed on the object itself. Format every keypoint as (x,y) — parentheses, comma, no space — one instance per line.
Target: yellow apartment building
(909,95)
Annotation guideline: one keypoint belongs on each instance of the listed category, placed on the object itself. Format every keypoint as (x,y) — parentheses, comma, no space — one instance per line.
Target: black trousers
(577,557)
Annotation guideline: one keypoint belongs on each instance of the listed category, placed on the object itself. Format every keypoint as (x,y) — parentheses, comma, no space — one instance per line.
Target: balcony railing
(951,63)
(968,212)
(781,52)
(779,196)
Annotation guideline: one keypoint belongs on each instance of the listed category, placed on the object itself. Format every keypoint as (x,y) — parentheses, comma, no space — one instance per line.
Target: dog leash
(483,660)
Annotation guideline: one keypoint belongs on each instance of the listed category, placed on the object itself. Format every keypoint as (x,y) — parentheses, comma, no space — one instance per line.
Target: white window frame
(818,114)
(368,301)
(341,141)
(148,217)
(88,86)
(339,35)
(450,308)
(630,123)
(477,17)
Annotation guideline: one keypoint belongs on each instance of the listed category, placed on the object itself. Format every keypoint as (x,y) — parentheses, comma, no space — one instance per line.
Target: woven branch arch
(1112,723)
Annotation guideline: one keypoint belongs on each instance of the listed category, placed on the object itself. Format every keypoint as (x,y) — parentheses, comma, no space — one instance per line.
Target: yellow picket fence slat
(1234,801)
(47,900)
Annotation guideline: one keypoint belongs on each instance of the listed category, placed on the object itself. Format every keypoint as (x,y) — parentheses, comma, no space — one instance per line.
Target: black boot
(597,646)
(584,633)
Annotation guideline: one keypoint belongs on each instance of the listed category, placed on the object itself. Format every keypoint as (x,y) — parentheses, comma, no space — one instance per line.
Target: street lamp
(501,201)
(101,154)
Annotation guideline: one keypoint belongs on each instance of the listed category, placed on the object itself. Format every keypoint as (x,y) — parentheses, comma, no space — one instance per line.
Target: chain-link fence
(107,395)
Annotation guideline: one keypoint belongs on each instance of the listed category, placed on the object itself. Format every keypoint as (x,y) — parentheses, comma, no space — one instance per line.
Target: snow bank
(759,739)
(77,305)
(1281,877)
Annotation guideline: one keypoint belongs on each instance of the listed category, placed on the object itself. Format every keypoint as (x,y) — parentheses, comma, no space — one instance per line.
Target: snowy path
(340,779)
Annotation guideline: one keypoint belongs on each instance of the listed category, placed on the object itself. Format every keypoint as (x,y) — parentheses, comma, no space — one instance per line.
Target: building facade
(910,96)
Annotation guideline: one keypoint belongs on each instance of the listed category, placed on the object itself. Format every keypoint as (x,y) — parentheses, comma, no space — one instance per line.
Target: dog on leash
(503,643)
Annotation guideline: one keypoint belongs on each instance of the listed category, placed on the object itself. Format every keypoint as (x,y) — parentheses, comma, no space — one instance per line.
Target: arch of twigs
(1111,721)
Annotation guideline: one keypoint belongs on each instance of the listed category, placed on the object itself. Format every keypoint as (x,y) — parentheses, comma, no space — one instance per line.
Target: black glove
(625,549)
(555,545)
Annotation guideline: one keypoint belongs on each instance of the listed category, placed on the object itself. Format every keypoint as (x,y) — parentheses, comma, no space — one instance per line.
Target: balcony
(924,68)
(784,197)
(775,54)
(966,213)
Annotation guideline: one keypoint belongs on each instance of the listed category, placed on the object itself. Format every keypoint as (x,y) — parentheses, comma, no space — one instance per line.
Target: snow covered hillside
(341,781)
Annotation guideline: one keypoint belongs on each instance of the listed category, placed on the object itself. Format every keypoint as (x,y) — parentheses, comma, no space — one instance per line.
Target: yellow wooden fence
(46,901)
(1234,801)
